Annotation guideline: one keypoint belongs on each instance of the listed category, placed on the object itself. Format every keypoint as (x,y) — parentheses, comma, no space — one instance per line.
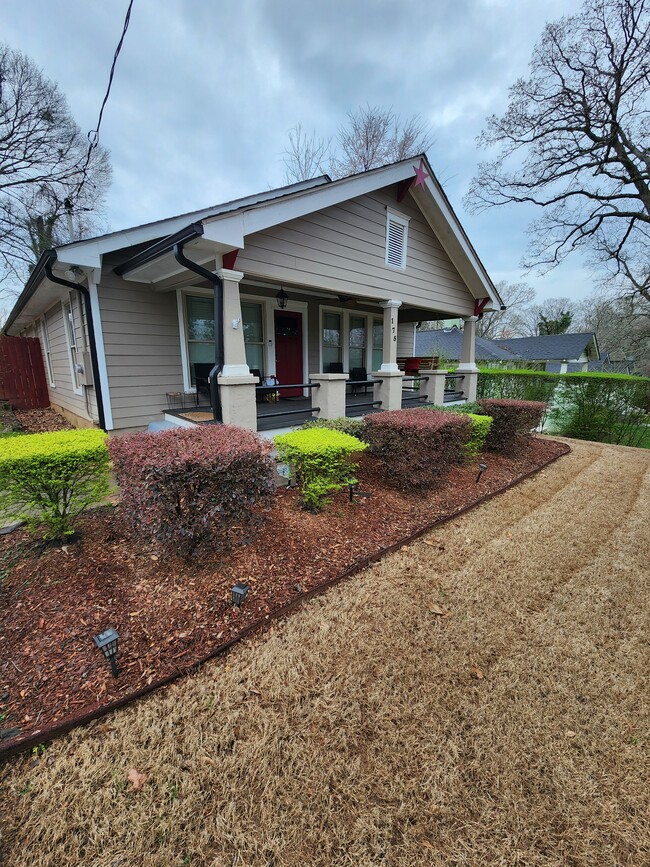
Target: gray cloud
(205,94)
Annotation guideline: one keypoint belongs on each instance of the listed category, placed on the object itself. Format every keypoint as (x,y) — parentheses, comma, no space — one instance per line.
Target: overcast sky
(205,93)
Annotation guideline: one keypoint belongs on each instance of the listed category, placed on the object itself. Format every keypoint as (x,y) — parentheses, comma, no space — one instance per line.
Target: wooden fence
(22,374)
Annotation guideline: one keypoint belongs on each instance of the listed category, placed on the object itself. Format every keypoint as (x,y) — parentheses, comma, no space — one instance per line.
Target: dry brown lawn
(369,730)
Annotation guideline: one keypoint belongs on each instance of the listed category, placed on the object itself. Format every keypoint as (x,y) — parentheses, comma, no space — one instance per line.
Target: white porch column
(467,365)
(330,395)
(389,353)
(236,385)
(389,390)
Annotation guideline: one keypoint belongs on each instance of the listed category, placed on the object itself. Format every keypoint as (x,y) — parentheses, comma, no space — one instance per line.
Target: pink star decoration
(420,174)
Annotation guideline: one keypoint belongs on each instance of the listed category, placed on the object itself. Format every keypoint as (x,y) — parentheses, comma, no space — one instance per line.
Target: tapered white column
(467,365)
(236,385)
(389,354)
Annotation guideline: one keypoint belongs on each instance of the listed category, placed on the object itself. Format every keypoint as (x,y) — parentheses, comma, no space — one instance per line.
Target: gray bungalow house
(448,346)
(259,312)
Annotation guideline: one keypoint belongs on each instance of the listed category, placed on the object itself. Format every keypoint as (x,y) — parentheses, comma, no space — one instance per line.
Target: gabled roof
(448,344)
(552,347)
(222,228)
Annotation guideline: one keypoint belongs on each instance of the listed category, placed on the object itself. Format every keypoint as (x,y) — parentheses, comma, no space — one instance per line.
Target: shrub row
(480,425)
(416,447)
(48,479)
(192,489)
(353,426)
(321,460)
(512,423)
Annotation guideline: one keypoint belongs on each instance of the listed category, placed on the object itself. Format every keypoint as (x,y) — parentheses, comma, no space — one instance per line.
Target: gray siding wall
(142,347)
(342,249)
(405,339)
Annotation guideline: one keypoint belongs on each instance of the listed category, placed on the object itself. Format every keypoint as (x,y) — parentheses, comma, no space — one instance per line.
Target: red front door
(288,350)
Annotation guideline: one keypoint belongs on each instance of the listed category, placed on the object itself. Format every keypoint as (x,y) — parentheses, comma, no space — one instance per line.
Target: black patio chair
(335,367)
(359,374)
(202,378)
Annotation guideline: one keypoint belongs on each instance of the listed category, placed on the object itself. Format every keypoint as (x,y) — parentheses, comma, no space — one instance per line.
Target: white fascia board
(269,214)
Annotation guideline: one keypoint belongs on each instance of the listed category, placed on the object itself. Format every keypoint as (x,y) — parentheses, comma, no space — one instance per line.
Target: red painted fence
(22,373)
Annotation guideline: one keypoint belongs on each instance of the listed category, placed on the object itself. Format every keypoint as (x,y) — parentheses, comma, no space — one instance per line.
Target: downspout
(217,286)
(91,331)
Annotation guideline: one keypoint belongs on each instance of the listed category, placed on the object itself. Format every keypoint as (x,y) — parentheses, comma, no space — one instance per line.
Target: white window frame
(402,220)
(47,351)
(70,331)
(345,315)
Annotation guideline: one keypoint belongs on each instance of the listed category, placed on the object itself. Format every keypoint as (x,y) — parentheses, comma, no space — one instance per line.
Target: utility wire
(93,135)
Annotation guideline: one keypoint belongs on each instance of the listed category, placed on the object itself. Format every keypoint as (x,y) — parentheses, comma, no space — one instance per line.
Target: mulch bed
(170,613)
(41,420)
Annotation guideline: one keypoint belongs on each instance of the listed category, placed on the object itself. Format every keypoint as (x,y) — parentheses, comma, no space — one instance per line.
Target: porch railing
(450,392)
(417,397)
(271,388)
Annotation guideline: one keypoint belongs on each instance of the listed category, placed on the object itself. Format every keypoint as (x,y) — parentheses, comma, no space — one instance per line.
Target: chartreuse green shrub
(417,447)
(353,426)
(322,461)
(48,479)
(193,490)
(480,422)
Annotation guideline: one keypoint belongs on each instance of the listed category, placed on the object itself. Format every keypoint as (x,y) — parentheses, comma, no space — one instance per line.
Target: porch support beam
(389,353)
(236,385)
(467,365)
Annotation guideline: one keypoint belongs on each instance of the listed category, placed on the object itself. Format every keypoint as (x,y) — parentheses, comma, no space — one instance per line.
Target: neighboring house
(559,353)
(301,283)
(448,344)
(607,364)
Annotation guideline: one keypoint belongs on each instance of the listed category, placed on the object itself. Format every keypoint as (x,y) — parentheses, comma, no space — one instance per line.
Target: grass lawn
(479,697)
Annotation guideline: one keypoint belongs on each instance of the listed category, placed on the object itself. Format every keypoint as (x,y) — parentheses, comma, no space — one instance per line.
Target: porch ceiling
(164,267)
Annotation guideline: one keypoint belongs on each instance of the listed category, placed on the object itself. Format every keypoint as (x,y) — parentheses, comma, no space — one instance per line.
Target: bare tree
(622,327)
(502,323)
(306,156)
(557,313)
(575,141)
(45,183)
(372,136)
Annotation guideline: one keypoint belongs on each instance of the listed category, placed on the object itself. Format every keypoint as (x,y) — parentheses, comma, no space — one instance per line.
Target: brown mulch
(169,612)
(41,420)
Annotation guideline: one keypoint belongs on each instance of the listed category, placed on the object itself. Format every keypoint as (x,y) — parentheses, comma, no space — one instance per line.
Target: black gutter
(217,286)
(165,245)
(49,257)
(31,286)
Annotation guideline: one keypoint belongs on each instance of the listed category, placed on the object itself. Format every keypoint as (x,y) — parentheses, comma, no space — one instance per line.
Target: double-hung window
(200,332)
(377,343)
(47,352)
(357,348)
(331,340)
(253,324)
(71,339)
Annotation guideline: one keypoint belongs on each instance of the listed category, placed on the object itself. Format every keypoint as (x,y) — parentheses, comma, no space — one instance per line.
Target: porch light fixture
(282,298)
(239,592)
(481,469)
(107,643)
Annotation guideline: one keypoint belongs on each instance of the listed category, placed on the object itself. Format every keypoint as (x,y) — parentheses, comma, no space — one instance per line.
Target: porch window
(377,343)
(253,324)
(71,339)
(200,332)
(357,342)
(331,340)
(47,352)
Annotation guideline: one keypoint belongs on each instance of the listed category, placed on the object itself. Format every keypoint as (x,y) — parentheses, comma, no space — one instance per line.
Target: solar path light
(481,469)
(107,643)
(239,592)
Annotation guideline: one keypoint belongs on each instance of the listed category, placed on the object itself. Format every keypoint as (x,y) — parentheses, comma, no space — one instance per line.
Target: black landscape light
(481,469)
(354,489)
(282,298)
(107,643)
(239,592)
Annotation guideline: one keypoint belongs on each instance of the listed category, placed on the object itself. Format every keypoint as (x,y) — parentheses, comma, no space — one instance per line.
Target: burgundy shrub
(192,489)
(512,423)
(417,446)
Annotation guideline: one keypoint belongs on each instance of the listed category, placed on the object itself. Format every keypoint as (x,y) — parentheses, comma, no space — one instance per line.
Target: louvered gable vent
(396,238)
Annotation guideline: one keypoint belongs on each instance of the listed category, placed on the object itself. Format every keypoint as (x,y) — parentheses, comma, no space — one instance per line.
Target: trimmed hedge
(322,461)
(355,427)
(481,424)
(193,489)
(48,479)
(417,447)
(512,423)
(607,407)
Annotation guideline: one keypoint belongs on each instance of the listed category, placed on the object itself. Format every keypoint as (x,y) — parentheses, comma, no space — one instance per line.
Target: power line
(93,135)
